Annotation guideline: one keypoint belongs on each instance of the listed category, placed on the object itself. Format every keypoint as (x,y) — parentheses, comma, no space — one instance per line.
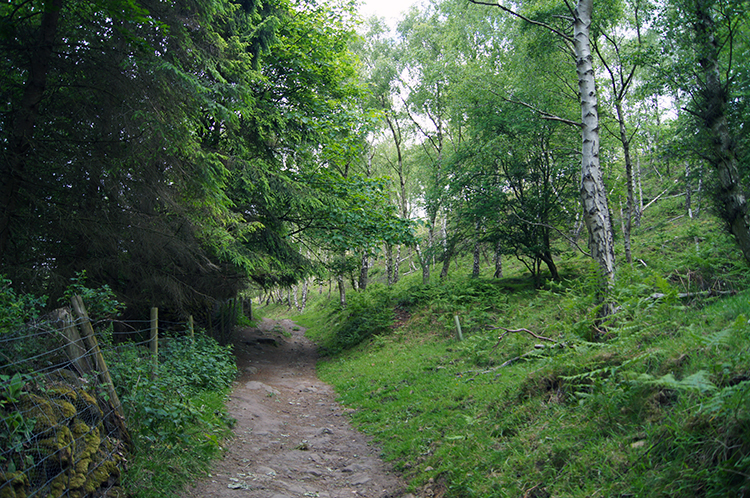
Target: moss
(117,492)
(68,433)
(92,443)
(67,410)
(59,484)
(65,377)
(48,413)
(100,475)
(80,472)
(88,409)
(37,408)
(79,428)
(61,447)
(62,391)
(88,442)
(13,484)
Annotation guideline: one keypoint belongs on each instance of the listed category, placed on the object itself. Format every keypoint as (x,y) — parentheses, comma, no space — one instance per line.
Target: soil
(291,438)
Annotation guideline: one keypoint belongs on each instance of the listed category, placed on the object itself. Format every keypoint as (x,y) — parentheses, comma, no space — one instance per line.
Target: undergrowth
(540,399)
(176,414)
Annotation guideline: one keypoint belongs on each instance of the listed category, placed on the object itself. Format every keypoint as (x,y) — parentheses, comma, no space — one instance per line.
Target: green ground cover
(652,403)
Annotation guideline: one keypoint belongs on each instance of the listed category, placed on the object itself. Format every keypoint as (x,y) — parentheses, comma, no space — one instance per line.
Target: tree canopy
(180,153)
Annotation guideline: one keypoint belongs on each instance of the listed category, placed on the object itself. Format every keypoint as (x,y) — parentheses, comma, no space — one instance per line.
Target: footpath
(291,438)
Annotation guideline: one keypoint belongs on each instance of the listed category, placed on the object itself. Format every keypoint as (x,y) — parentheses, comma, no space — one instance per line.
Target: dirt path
(292,439)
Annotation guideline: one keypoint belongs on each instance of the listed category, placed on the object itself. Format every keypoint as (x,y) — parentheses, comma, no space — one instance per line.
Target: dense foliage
(180,154)
(174,152)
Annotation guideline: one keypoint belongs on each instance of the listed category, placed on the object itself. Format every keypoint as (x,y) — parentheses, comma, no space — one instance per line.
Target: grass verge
(657,403)
(159,468)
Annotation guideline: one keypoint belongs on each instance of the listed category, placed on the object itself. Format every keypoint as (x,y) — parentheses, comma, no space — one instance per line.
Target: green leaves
(357,213)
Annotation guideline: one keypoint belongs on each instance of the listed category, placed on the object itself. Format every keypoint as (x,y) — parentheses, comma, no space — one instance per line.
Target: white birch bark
(296,301)
(342,290)
(498,260)
(304,296)
(397,265)
(593,193)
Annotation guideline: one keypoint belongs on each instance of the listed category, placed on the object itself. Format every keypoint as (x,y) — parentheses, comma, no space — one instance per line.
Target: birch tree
(592,189)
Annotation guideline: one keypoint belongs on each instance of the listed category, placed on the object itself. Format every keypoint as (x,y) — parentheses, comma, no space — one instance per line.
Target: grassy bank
(538,400)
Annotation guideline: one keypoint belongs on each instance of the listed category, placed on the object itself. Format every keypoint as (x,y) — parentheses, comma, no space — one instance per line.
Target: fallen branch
(689,295)
(510,331)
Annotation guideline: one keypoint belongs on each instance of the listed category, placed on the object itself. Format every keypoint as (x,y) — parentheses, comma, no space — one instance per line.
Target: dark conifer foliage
(163,147)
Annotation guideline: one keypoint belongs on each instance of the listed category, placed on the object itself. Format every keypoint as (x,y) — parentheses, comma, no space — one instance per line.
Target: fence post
(191,328)
(76,348)
(91,343)
(458,328)
(154,340)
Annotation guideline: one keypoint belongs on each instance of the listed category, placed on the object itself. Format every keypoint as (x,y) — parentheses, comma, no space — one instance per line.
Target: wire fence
(62,427)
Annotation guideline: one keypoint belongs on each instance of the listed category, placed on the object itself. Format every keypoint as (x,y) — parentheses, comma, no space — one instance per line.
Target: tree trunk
(23,120)
(640,193)
(475,267)
(389,263)
(397,265)
(628,223)
(699,194)
(730,196)
(363,272)
(688,191)
(593,193)
(304,296)
(342,290)
(498,260)
(425,264)
(447,256)
(551,266)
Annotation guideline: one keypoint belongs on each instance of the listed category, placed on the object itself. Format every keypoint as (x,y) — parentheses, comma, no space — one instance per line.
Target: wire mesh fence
(62,427)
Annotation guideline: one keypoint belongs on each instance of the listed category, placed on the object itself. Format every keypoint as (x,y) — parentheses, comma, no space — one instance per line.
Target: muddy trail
(291,438)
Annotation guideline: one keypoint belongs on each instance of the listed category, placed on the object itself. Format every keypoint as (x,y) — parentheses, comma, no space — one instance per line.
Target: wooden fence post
(191,328)
(458,328)
(154,341)
(92,344)
(75,348)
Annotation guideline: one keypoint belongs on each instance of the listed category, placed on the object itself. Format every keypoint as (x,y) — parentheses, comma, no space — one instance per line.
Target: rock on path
(292,439)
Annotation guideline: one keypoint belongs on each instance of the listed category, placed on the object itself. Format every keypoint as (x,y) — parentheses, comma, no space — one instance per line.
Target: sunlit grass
(652,403)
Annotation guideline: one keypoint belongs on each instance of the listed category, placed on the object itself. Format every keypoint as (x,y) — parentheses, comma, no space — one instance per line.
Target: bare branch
(563,234)
(542,114)
(524,18)
(515,331)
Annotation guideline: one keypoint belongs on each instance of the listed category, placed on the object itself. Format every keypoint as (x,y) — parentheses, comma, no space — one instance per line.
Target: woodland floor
(291,438)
